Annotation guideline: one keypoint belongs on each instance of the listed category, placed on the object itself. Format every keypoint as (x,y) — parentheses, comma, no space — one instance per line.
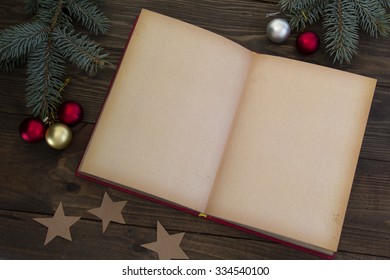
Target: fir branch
(31,6)
(98,1)
(385,3)
(307,13)
(80,50)
(65,21)
(294,4)
(9,65)
(372,18)
(17,41)
(47,10)
(56,16)
(341,36)
(46,70)
(89,15)
(288,4)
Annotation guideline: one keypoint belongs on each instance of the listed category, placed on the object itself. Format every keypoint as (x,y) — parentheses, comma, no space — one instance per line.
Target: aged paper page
(292,154)
(166,121)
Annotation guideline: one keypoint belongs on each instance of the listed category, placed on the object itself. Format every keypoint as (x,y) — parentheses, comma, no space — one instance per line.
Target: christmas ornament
(32,130)
(58,136)
(308,42)
(278,30)
(70,113)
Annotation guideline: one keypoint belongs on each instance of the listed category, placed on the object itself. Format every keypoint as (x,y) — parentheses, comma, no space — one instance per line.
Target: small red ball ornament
(32,130)
(308,42)
(70,113)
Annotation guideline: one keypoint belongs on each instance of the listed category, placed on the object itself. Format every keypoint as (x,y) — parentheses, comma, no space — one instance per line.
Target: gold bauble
(58,136)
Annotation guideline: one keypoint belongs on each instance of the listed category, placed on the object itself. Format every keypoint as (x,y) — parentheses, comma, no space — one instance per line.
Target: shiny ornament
(70,113)
(308,42)
(58,136)
(278,30)
(32,130)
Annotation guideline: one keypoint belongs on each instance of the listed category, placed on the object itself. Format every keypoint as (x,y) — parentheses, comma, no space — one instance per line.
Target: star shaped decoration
(58,225)
(167,246)
(109,211)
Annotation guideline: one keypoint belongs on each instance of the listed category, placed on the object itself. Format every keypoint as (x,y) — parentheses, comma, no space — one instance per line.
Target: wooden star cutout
(58,225)
(167,246)
(109,211)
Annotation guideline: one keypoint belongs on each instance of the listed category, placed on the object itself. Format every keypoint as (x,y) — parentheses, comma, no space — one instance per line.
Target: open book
(198,122)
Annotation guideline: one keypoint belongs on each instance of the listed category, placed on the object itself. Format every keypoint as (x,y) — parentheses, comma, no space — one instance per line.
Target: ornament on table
(70,113)
(278,30)
(308,42)
(32,130)
(58,136)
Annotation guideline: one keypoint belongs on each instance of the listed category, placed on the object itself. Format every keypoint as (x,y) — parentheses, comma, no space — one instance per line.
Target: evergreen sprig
(31,7)
(80,50)
(341,20)
(46,41)
(89,15)
(341,35)
(19,40)
(45,70)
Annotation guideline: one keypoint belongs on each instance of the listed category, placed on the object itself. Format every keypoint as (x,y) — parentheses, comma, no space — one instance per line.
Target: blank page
(166,120)
(292,154)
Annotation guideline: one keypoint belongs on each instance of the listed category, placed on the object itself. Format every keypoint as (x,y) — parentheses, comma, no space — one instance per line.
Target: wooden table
(35,178)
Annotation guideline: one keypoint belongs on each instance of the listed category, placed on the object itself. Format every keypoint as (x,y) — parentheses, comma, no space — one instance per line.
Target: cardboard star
(58,225)
(167,246)
(109,211)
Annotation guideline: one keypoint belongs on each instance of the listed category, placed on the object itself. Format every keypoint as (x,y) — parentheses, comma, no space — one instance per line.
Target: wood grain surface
(35,178)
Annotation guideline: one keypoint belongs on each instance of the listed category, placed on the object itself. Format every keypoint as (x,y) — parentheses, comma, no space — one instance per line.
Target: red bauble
(32,130)
(70,113)
(308,42)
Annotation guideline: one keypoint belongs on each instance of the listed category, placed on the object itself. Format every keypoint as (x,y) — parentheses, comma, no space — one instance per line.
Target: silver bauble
(278,30)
